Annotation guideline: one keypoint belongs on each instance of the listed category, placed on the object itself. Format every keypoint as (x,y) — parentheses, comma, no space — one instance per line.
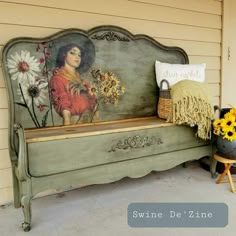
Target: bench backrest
(112,78)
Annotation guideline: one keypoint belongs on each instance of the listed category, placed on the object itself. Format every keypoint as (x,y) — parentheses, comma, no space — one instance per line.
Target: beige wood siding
(4,159)
(228,77)
(194,25)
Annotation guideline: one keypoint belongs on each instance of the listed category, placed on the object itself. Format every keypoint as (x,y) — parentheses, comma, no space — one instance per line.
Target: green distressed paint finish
(132,62)
(126,61)
(134,168)
(78,153)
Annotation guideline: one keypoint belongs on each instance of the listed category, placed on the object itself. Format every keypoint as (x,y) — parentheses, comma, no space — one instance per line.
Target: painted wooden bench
(82,111)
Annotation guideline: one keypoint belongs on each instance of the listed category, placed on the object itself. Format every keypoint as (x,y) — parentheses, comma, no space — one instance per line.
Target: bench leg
(184,165)
(213,164)
(17,197)
(26,207)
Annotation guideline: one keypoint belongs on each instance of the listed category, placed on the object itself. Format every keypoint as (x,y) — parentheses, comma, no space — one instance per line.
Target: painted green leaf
(21,104)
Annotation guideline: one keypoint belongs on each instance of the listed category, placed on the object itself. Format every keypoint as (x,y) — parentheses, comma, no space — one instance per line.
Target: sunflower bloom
(229,116)
(230,134)
(114,82)
(107,87)
(115,96)
(218,123)
(229,121)
(93,90)
(226,127)
(217,131)
(233,112)
(106,91)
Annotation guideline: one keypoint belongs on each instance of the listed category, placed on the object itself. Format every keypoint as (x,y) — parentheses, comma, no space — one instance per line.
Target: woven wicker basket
(165,102)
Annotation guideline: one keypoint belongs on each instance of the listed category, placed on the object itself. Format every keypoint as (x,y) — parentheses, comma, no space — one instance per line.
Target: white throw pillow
(174,73)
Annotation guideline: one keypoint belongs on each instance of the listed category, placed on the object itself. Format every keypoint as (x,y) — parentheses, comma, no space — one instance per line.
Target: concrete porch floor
(101,210)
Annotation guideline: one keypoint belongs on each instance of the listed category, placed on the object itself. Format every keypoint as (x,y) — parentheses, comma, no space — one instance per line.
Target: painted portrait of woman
(69,92)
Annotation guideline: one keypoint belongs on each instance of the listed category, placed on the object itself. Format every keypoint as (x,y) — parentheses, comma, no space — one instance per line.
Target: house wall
(194,25)
(228,95)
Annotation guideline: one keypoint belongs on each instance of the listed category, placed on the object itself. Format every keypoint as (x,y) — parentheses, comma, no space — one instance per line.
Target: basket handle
(166,81)
(217,109)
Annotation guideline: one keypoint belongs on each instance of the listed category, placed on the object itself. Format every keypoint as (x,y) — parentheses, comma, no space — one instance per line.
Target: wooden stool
(228,163)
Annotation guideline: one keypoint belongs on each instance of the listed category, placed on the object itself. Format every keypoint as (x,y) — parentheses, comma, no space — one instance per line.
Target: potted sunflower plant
(224,130)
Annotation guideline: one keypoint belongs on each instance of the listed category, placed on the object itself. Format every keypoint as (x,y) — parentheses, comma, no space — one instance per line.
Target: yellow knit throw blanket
(192,106)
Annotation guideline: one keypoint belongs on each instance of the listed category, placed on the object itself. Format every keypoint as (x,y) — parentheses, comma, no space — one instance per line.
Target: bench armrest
(22,163)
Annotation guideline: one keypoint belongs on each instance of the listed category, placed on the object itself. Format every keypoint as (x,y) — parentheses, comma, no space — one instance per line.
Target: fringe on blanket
(193,109)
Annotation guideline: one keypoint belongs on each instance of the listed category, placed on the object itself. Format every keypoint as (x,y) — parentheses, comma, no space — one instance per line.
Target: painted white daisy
(22,66)
(33,90)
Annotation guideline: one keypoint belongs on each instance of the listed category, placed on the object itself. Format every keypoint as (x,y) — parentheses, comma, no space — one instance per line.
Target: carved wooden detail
(110,36)
(136,142)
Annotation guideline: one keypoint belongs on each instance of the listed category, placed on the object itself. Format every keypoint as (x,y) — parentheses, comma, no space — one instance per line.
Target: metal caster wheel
(26,226)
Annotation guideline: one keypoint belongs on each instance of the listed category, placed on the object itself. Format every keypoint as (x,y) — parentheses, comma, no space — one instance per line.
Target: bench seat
(89,145)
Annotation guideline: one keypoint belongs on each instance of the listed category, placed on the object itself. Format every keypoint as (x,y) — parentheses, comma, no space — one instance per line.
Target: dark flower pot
(226,148)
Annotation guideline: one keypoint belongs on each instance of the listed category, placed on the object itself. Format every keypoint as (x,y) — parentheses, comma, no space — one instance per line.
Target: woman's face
(73,57)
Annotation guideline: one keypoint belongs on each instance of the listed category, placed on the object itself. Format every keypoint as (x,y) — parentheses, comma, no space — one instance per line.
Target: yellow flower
(109,88)
(218,123)
(93,90)
(107,76)
(229,116)
(217,131)
(233,112)
(230,134)
(114,82)
(229,121)
(106,91)
(226,127)
(122,88)
(115,96)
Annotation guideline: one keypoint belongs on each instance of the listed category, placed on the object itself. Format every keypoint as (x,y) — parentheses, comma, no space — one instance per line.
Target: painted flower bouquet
(31,75)
(106,87)
(226,127)
(30,71)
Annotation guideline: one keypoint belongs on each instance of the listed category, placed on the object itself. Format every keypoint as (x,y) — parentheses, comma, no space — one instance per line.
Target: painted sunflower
(106,91)
(93,90)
